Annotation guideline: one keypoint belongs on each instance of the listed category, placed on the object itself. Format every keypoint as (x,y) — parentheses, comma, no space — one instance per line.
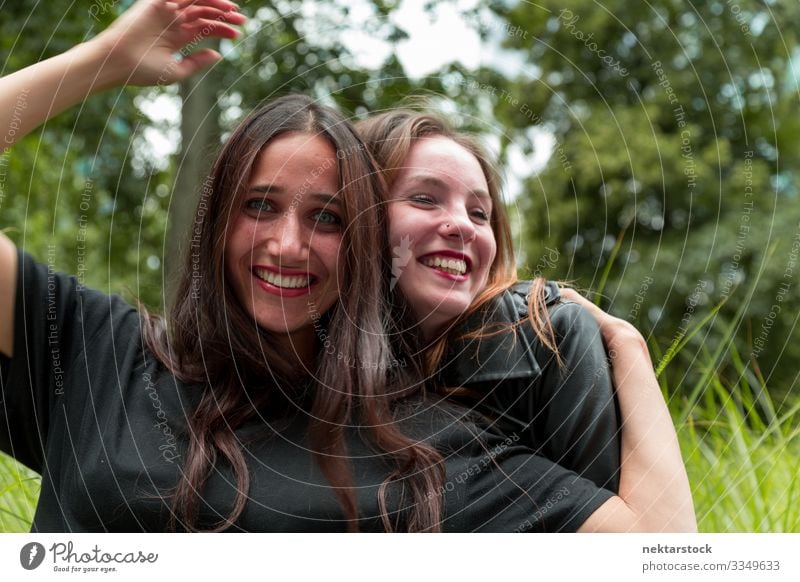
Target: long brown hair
(208,338)
(390,137)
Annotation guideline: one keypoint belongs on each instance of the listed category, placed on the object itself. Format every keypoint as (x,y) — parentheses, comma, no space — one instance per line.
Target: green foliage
(76,183)
(743,459)
(19,491)
(672,132)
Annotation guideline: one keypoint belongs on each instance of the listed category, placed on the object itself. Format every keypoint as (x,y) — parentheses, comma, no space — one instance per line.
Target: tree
(674,123)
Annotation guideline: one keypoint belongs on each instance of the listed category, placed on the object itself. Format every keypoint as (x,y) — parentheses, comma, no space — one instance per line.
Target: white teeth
(282,281)
(452,266)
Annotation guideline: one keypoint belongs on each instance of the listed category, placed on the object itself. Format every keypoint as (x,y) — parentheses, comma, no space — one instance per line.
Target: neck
(301,350)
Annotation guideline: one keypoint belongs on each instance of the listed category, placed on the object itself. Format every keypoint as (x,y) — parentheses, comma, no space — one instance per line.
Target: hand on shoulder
(617,333)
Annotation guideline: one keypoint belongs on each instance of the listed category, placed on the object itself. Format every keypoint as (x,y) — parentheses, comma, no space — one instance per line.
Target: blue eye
(480,214)
(326,217)
(259,205)
(422,199)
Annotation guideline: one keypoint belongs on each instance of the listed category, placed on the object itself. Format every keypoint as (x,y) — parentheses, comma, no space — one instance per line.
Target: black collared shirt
(564,412)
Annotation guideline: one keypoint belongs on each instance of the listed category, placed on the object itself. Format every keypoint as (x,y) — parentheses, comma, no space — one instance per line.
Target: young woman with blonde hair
(517,352)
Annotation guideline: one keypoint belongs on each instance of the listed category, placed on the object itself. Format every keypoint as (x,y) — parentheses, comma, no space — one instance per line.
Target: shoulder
(486,347)
(35,276)
(60,305)
(566,317)
(519,295)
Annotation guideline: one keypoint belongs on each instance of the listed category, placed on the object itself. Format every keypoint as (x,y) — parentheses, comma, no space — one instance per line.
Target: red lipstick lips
(448,254)
(282,281)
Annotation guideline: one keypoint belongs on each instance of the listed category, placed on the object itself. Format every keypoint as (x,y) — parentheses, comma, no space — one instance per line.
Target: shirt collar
(500,352)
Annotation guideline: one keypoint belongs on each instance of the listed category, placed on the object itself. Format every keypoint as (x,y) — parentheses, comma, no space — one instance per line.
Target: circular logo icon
(31,555)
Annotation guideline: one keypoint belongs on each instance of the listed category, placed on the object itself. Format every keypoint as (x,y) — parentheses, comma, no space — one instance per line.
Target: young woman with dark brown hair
(143,423)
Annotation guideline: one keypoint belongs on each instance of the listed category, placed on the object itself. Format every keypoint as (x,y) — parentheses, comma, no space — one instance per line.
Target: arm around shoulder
(654,492)
(8,288)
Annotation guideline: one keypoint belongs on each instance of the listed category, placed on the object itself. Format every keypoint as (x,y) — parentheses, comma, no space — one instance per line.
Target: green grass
(19,491)
(742,456)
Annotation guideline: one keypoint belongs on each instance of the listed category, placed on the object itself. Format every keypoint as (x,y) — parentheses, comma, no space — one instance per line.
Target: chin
(441,314)
(453,304)
(278,321)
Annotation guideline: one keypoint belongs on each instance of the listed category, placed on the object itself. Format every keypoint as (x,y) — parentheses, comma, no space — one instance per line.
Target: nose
(287,241)
(457,224)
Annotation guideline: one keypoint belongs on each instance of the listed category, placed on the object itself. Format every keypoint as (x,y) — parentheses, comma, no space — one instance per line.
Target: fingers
(211,19)
(195,62)
(617,333)
(571,295)
(208,13)
(223,5)
(197,15)
(202,28)
(602,318)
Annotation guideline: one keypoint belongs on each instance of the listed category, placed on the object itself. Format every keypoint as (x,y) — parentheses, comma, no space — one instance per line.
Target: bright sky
(435,39)
(442,37)
(436,42)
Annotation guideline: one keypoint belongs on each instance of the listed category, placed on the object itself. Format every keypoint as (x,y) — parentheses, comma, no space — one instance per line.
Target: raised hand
(155,42)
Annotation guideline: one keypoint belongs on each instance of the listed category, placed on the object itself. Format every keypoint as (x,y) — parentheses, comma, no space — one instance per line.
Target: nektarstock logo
(31,555)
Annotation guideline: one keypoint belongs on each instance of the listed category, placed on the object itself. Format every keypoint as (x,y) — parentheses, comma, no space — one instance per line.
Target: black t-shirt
(85,404)
(562,408)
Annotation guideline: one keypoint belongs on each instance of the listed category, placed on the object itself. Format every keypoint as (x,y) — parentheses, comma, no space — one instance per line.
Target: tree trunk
(199,129)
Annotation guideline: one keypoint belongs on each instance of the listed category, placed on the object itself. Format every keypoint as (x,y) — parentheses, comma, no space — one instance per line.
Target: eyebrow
(435,182)
(327,198)
(278,190)
(266,189)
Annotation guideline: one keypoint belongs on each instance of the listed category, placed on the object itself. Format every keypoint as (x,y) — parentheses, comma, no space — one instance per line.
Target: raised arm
(139,48)
(654,492)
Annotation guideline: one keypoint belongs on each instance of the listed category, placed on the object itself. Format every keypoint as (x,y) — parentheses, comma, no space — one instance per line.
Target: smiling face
(284,237)
(439,221)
